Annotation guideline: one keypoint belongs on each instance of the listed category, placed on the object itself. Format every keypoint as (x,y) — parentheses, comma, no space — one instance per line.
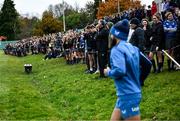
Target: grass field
(56,91)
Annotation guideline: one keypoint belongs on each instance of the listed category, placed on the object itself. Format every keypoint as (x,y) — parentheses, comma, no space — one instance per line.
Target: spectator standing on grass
(126,64)
(102,46)
(177,42)
(90,51)
(137,38)
(170,28)
(147,33)
(157,40)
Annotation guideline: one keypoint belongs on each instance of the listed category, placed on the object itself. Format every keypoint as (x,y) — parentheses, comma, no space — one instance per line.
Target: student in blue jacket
(128,67)
(170,29)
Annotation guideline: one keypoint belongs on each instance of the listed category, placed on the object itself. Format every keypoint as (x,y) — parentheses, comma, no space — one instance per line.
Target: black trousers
(102,60)
(177,54)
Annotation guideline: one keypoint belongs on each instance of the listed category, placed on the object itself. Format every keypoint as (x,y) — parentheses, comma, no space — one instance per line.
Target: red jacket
(153,8)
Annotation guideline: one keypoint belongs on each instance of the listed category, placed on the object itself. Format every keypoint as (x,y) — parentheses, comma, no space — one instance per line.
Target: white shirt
(131,31)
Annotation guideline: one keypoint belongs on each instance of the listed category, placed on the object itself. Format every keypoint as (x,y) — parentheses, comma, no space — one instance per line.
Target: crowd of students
(149,30)
(34,45)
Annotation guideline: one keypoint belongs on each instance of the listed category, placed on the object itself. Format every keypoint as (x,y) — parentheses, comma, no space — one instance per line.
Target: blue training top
(125,60)
(170,28)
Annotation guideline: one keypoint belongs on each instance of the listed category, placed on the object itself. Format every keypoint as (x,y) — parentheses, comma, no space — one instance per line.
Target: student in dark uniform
(102,46)
(157,40)
(137,38)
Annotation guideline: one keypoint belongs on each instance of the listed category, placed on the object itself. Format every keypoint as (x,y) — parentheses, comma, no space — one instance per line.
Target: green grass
(56,91)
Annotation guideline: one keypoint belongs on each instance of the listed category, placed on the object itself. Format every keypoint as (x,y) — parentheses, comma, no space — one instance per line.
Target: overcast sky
(38,6)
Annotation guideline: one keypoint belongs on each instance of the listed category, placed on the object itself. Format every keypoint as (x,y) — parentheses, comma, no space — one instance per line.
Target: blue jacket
(125,61)
(170,28)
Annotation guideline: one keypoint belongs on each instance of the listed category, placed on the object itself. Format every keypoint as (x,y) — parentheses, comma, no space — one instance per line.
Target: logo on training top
(123,111)
(116,33)
(135,109)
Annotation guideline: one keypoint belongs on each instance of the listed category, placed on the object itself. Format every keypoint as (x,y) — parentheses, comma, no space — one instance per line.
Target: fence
(4,43)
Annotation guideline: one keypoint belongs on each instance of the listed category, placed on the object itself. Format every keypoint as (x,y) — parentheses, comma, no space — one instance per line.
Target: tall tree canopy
(76,18)
(49,24)
(96,7)
(26,26)
(110,7)
(9,22)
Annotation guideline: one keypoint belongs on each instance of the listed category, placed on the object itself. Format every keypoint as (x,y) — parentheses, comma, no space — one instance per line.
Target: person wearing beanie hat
(135,21)
(120,30)
(125,61)
(137,39)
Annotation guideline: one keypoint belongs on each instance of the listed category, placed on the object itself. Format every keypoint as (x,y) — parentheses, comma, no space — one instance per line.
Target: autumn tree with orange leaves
(110,7)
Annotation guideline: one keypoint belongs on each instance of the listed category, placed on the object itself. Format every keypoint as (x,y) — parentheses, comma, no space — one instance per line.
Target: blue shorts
(129,106)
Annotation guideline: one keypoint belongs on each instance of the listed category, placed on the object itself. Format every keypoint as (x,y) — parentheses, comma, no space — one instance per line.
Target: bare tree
(76,6)
(58,10)
(51,8)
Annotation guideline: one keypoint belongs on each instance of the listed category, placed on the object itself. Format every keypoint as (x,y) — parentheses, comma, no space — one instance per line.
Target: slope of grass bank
(56,91)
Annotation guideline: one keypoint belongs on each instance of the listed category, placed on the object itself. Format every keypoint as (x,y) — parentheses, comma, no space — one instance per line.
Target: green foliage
(26,26)
(85,19)
(56,91)
(73,20)
(76,20)
(49,24)
(9,26)
(90,12)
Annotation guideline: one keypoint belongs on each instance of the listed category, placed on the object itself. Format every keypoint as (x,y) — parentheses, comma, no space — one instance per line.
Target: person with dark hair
(48,55)
(172,6)
(89,37)
(147,33)
(128,67)
(102,46)
(66,49)
(149,16)
(137,39)
(138,14)
(82,48)
(177,42)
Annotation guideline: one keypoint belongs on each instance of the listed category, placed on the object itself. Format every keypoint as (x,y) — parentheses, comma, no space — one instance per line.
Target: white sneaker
(177,68)
(97,71)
